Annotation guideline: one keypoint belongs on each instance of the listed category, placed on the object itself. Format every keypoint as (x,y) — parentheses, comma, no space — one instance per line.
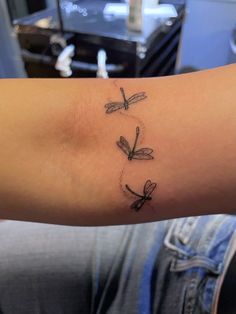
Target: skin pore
(61,163)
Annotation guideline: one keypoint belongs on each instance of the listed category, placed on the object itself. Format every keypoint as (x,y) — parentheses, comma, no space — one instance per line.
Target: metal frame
(11,64)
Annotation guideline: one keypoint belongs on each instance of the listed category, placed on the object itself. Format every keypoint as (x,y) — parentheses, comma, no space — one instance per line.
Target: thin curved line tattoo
(148,189)
(121,180)
(117,105)
(140,154)
(122,187)
(139,121)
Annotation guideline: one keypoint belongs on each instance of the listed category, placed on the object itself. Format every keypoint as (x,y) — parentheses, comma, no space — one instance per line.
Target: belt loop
(167,240)
(178,265)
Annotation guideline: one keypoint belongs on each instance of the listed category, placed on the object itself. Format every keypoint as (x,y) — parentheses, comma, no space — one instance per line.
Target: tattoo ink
(114,106)
(141,154)
(137,121)
(148,188)
(121,181)
(133,153)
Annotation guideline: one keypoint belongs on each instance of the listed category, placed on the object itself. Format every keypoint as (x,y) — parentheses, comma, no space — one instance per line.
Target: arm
(60,162)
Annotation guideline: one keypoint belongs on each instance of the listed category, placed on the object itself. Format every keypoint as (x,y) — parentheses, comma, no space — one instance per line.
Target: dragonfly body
(116,105)
(126,104)
(131,155)
(142,153)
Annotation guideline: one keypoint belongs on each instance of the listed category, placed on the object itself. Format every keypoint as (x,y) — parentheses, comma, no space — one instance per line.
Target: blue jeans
(161,267)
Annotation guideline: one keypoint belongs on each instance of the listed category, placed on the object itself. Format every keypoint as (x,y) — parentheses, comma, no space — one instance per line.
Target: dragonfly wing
(113,106)
(142,157)
(149,189)
(114,103)
(143,153)
(124,145)
(136,97)
(137,205)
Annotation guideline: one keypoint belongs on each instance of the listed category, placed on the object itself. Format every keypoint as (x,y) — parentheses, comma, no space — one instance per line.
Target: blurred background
(99,38)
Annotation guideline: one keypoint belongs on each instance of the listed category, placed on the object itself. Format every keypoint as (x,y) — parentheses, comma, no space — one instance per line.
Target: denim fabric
(199,247)
(167,267)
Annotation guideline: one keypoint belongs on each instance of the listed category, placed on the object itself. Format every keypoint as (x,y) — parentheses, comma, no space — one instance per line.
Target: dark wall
(34,6)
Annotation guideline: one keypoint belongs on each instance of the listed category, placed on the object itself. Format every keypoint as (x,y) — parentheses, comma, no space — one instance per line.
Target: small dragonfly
(142,153)
(113,106)
(148,188)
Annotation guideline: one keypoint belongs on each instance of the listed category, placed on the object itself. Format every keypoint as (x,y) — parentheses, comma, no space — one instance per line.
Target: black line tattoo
(137,121)
(121,180)
(141,154)
(113,106)
(148,188)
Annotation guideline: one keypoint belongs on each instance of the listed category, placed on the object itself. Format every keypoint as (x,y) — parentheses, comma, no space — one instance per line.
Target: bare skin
(60,163)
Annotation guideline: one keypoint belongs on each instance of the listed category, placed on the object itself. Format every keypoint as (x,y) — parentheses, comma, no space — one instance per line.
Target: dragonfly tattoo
(114,106)
(142,153)
(148,188)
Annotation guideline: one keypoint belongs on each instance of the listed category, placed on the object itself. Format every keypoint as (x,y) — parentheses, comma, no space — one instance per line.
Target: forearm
(60,162)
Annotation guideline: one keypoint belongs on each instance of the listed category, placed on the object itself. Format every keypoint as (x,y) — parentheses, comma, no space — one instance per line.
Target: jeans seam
(190,296)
